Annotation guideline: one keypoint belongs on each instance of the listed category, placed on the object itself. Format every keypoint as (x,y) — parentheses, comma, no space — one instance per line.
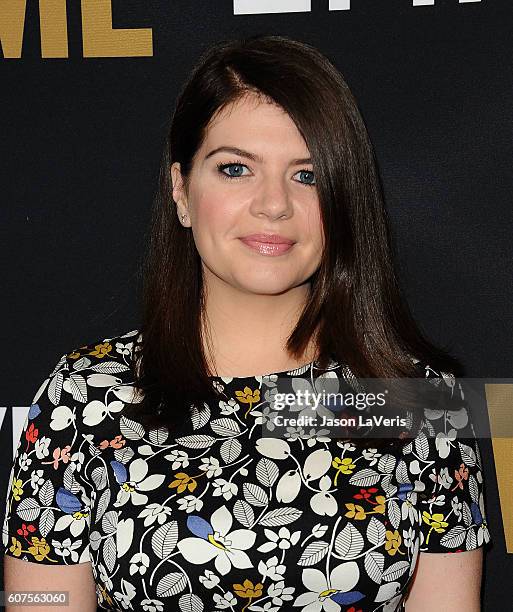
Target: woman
(147,468)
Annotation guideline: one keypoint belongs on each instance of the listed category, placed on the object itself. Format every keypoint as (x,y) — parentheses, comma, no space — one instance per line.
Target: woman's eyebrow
(253,156)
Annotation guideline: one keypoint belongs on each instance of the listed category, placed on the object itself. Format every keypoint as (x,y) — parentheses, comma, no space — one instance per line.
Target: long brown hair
(355,302)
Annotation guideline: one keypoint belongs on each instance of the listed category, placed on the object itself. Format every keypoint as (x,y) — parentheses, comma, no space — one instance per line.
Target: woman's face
(263,188)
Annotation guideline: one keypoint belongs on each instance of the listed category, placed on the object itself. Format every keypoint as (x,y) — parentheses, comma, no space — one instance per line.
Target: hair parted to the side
(355,300)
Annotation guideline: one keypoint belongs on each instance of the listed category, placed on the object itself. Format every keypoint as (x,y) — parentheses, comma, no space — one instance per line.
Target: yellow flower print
(355,511)
(248,589)
(80,514)
(15,547)
(39,549)
(393,542)
(17,490)
(248,397)
(184,481)
(435,521)
(101,350)
(105,594)
(380,508)
(344,466)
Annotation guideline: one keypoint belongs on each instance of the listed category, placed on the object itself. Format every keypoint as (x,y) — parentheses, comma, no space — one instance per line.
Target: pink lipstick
(268,244)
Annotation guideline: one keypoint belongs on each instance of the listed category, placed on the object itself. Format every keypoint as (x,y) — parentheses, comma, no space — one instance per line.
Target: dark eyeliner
(221,166)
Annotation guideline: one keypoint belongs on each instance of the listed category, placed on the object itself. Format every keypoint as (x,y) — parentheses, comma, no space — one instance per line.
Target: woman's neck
(248,332)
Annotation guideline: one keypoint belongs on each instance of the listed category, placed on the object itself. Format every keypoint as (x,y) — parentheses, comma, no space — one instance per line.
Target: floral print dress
(217,517)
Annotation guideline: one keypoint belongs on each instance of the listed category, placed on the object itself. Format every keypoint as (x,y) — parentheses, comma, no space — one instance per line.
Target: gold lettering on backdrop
(499,398)
(100,40)
(54,28)
(12,24)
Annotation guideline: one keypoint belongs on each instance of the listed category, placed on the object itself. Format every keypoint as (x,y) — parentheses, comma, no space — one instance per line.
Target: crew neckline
(305,367)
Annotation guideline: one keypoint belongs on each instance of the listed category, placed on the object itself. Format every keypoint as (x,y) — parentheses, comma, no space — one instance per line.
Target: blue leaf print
(67,501)
(347,598)
(476,513)
(34,411)
(119,471)
(404,487)
(200,527)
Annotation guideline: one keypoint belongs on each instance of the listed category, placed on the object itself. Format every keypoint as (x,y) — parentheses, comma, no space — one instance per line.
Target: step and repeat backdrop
(87,91)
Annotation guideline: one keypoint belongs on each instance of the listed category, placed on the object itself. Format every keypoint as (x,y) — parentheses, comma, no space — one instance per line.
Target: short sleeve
(445,460)
(47,508)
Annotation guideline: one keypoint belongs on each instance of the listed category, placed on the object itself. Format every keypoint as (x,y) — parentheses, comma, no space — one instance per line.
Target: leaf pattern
(219,517)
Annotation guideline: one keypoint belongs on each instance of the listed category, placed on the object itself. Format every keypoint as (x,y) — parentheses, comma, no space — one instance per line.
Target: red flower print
(31,433)
(24,530)
(365,493)
(117,442)
(460,475)
(60,454)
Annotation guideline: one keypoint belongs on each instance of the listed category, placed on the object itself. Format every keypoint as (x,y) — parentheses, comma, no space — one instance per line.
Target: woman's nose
(273,202)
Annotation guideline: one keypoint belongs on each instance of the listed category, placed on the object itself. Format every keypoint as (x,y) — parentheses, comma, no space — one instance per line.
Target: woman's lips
(267,248)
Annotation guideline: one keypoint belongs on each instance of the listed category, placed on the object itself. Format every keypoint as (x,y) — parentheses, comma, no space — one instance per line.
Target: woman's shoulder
(89,386)
(107,351)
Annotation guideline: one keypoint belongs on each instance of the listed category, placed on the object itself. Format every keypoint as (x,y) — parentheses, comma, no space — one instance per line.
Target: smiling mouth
(268,248)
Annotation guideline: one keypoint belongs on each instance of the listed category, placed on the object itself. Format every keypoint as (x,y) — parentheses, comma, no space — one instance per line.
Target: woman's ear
(179,191)
(177,182)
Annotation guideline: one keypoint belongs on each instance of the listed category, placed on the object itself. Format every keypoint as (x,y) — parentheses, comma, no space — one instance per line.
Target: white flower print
(280,593)
(127,595)
(67,548)
(210,465)
(408,537)
(371,454)
(272,568)
(139,563)
(136,482)
(77,460)
(315,436)
(323,594)
(443,442)
(225,601)
(456,506)
(224,488)
(217,542)
(209,579)
(283,539)
(408,508)
(96,411)
(324,503)
(190,503)
(349,446)
(76,522)
(36,480)
(42,447)
(152,605)
(104,576)
(443,477)
(179,458)
(124,348)
(154,512)
(229,407)
(25,462)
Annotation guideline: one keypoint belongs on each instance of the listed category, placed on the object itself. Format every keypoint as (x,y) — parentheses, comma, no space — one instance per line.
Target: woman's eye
(308,176)
(235,170)
(237,167)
